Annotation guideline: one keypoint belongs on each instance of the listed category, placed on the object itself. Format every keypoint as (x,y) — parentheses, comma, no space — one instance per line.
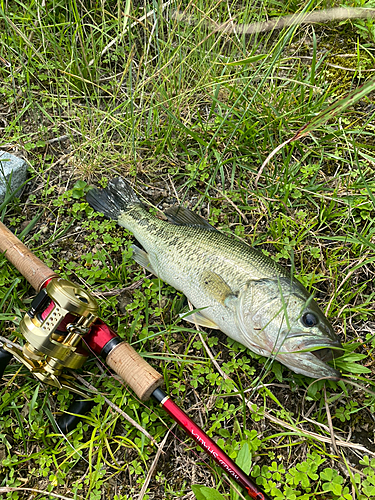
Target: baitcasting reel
(59,316)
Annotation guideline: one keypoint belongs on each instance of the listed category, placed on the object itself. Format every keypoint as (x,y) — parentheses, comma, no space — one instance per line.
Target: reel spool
(59,316)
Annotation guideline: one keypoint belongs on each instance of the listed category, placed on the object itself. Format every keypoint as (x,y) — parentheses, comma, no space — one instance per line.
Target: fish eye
(309,319)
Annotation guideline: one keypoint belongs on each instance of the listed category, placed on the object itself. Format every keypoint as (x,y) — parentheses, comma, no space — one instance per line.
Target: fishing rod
(62,326)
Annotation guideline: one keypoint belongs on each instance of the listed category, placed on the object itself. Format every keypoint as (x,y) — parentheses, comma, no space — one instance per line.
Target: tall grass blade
(327,114)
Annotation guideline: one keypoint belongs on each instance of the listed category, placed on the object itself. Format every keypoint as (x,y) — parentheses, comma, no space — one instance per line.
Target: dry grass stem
(330,425)
(207,349)
(314,435)
(347,276)
(9,489)
(119,291)
(154,464)
(319,16)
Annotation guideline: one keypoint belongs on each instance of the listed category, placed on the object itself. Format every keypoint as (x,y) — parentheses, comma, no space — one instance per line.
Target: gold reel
(59,316)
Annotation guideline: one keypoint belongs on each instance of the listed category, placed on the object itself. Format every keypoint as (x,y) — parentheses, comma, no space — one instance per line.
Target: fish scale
(184,243)
(234,287)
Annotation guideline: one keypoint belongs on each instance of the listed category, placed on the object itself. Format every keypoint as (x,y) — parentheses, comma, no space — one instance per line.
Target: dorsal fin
(182,216)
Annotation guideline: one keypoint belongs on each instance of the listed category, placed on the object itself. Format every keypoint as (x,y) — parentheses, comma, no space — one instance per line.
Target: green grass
(191,115)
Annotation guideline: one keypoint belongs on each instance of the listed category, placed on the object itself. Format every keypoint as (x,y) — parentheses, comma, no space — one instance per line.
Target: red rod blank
(210,447)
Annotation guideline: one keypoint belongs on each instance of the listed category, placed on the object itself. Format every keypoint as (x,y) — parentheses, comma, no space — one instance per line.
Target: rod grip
(32,268)
(134,370)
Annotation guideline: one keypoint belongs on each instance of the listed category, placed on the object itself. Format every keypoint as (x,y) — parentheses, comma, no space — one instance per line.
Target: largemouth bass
(233,287)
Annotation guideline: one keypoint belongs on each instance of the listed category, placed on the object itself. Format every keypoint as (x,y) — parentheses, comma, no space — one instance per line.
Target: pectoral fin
(142,258)
(217,288)
(198,319)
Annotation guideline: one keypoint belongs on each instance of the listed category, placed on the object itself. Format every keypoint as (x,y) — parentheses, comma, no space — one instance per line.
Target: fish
(233,287)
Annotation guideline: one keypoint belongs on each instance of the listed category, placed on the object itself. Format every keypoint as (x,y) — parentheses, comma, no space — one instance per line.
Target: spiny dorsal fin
(182,216)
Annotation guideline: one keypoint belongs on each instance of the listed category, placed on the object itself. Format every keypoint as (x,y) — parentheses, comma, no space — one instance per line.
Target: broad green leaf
(351,367)
(243,459)
(206,493)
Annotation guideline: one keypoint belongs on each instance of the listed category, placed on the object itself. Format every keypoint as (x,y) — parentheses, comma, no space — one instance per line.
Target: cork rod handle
(24,260)
(134,370)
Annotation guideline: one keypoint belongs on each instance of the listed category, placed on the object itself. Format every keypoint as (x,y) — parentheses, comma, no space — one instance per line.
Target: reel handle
(32,268)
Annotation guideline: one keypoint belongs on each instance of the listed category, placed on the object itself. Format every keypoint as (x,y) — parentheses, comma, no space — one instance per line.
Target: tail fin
(114,199)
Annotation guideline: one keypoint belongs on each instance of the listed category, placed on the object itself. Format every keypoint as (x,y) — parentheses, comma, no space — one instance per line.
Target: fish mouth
(327,352)
(311,358)
(319,347)
(324,350)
